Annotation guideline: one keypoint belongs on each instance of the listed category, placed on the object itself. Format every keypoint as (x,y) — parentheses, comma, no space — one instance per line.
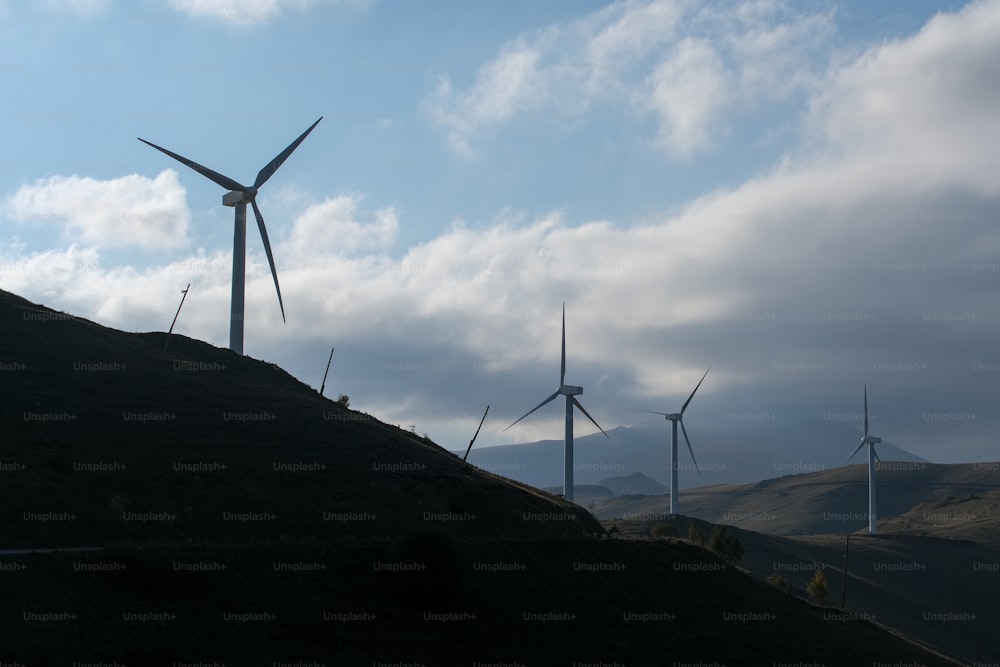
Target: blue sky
(802,194)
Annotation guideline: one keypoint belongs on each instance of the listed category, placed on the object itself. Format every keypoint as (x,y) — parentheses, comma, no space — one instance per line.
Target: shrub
(344,400)
(778,582)
(694,533)
(726,545)
(817,588)
(663,531)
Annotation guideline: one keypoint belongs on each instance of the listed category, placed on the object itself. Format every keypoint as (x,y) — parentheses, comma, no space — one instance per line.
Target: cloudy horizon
(801,196)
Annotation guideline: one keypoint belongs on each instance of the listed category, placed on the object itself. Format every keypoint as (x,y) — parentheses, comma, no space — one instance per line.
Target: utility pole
(843,588)
(328,361)
(476,435)
(184,292)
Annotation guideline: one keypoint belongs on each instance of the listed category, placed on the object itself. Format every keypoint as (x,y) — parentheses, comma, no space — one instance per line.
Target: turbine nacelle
(236,197)
(674,417)
(871,440)
(570,390)
(239,197)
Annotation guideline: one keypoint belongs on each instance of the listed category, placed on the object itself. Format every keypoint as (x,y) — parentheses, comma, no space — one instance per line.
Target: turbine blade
(270,258)
(273,165)
(866,411)
(547,400)
(860,445)
(214,176)
(653,413)
(697,468)
(562,369)
(584,411)
(684,407)
(875,452)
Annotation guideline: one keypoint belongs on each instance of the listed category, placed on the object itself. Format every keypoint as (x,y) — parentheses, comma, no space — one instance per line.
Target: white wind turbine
(676,418)
(570,392)
(871,441)
(238,197)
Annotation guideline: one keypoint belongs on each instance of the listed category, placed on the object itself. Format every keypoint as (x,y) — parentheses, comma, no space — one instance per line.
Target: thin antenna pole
(481,422)
(843,588)
(328,361)
(184,293)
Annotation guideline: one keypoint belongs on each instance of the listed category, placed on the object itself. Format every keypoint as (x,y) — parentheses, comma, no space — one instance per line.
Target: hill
(106,438)
(835,501)
(939,592)
(232,515)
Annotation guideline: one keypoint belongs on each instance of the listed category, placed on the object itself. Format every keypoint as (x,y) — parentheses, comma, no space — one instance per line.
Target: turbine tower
(238,197)
(570,392)
(675,419)
(871,441)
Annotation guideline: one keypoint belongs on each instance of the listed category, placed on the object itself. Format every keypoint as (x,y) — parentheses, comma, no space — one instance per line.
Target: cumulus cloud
(128,211)
(332,226)
(685,64)
(870,254)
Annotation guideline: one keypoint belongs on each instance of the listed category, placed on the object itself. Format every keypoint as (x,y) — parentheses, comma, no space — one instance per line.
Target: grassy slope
(44,356)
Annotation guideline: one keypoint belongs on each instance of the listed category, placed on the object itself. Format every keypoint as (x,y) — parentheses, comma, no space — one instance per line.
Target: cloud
(247,12)
(869,254)
(686,65)
(332,227)
(128,211)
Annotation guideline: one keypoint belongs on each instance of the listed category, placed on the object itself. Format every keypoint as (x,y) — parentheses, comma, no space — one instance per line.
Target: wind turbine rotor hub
(570,390)
(236,197)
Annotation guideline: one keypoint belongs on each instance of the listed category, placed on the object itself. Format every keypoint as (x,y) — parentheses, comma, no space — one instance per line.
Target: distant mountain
(836,502)
(634,484)
(734,454)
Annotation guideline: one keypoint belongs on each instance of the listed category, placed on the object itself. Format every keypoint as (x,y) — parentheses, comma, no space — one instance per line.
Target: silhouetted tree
(818,587)
(694,533)
(344,400)
(726,545)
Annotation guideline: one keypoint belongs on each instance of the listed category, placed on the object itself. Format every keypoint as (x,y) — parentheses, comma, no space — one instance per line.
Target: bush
(726,545)
(344,400)
(663,531)
(439,581)
(694,533)
(818,587)
(778,582)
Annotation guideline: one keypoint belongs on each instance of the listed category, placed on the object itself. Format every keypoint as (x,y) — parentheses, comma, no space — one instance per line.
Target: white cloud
(688,91)
(331,227)
(128,211)
(642,57)
(247,12)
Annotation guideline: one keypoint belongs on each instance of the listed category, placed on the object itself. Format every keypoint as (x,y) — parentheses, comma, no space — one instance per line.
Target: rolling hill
(232,515)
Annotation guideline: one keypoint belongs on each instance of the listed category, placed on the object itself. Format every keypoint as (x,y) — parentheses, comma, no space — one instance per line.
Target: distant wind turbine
(238,197)
(570,392)
(871,441)
(676,418)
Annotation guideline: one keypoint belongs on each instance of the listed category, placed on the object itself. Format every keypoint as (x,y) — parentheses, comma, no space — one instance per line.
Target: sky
(801,195)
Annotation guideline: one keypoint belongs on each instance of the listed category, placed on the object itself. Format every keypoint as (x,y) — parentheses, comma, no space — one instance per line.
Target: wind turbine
(676,418)
(238,197)
(570,392)
(871,441)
